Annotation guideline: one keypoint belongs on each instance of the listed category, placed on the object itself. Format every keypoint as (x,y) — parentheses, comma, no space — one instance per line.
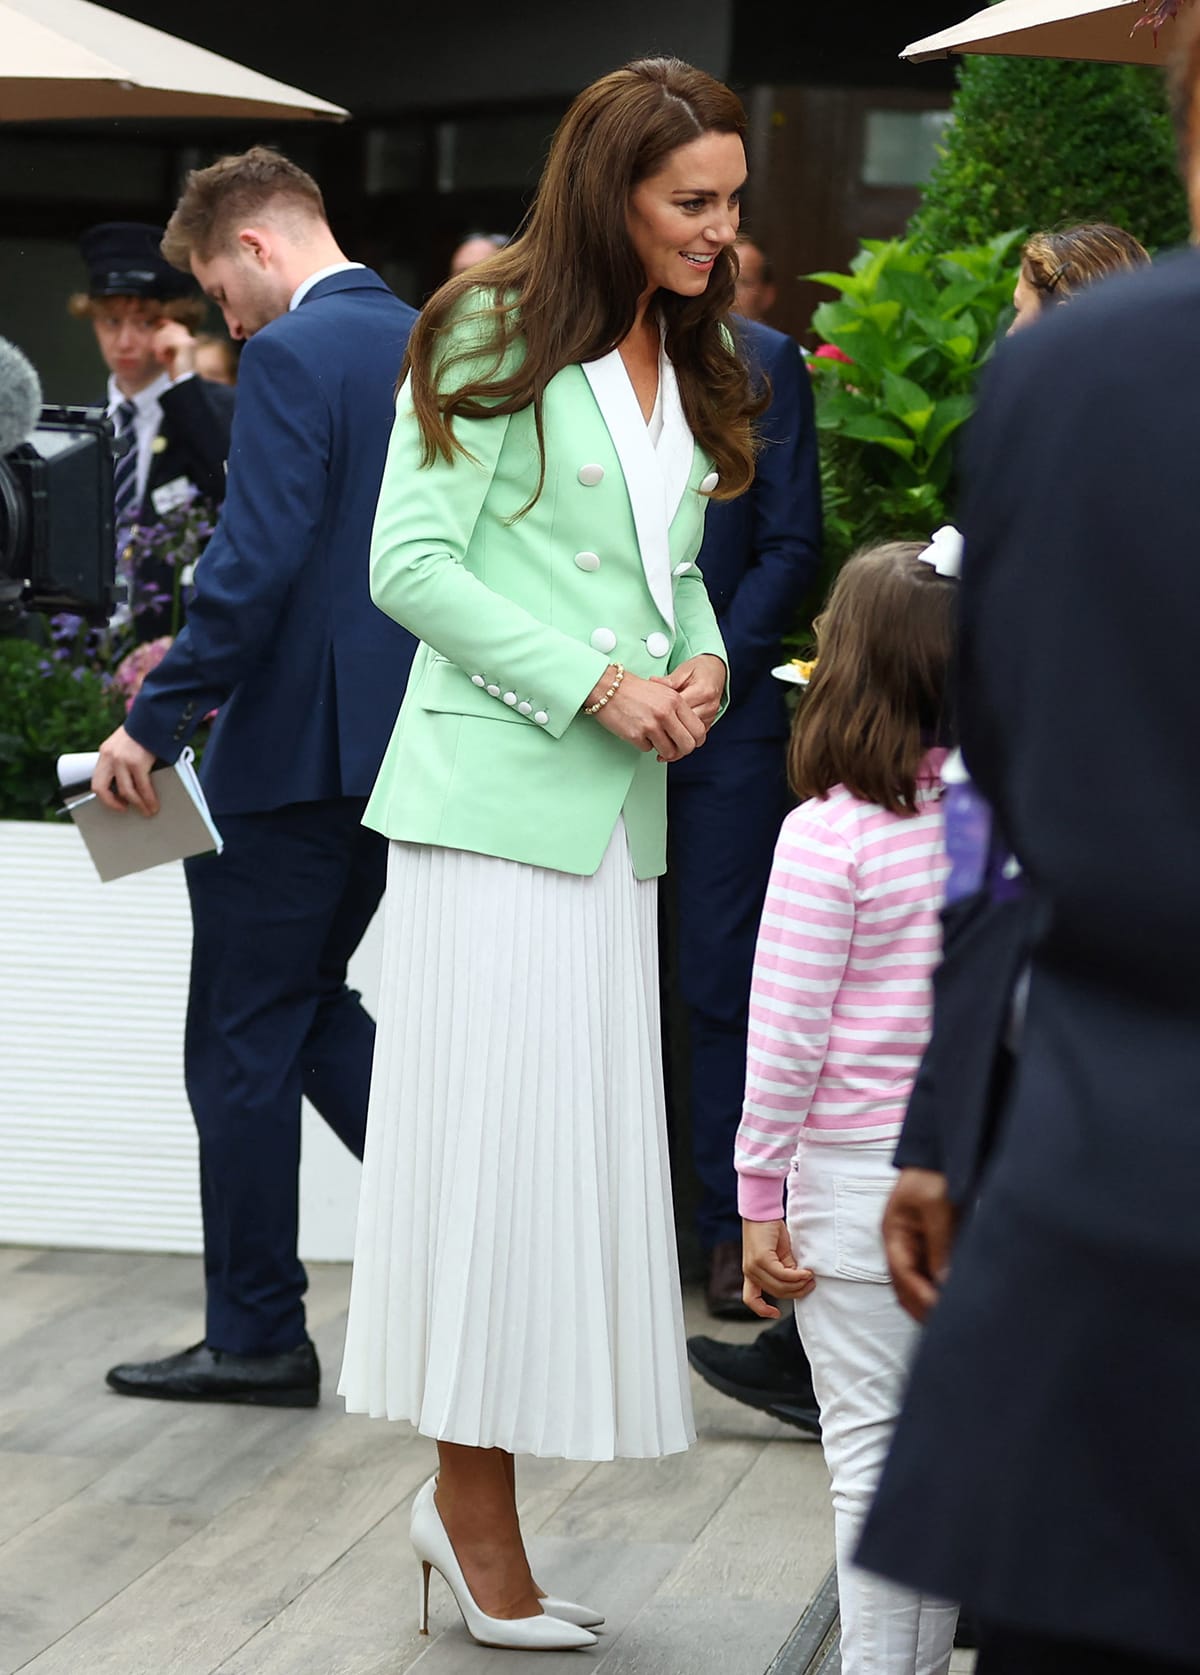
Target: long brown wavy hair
(877,699)
(566,289)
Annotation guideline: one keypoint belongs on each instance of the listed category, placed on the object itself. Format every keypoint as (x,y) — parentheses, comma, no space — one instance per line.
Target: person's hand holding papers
(122,776)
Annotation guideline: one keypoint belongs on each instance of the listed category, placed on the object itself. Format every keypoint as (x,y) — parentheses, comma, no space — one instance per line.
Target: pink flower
(133,668)
(831,352)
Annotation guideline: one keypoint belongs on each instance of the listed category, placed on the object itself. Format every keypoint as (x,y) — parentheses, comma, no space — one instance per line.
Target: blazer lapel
(643,476)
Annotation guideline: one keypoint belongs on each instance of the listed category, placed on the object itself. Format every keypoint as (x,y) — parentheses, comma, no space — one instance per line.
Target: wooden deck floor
(144,1538)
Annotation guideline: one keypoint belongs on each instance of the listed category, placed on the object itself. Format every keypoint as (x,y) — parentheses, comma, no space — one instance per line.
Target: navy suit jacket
(196,420)
(762,550)
(282,635)
(1016,1483)
(194,437)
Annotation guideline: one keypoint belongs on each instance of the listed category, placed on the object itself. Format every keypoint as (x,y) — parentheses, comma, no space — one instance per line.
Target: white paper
(124,842)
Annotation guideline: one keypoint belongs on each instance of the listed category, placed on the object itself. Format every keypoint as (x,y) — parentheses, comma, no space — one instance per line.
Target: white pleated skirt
(516,1283)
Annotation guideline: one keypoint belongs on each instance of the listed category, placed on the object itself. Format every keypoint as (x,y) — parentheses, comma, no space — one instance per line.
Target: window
(900,147)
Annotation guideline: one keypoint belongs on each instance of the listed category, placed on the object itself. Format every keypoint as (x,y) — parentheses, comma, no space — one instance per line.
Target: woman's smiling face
(681,217)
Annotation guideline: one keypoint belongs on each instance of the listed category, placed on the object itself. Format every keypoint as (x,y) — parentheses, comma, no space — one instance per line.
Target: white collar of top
(306,285)
(944,552)
(145,402)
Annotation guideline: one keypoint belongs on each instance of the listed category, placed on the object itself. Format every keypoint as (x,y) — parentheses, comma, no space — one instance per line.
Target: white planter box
(97,1144)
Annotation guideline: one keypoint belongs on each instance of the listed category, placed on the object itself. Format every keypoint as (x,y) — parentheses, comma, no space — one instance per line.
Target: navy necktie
(125,509)
(125,476)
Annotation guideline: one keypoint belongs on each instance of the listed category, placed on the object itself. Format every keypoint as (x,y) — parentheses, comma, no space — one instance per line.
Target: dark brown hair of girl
(879,693)
(565,290)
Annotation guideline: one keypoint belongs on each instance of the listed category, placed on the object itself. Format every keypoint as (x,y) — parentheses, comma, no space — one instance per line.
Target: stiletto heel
(435,1550)
(423,1608)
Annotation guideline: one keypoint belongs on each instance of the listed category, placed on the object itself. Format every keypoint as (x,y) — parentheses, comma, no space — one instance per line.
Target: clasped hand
(669,714)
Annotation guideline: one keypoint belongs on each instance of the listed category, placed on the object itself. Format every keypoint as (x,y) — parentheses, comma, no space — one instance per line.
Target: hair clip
(944,552)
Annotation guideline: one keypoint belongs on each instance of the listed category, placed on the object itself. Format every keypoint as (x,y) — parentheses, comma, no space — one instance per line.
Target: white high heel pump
(567,1611)
(543,1633)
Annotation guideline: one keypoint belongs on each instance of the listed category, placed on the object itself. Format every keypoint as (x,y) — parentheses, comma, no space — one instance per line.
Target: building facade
(453,111)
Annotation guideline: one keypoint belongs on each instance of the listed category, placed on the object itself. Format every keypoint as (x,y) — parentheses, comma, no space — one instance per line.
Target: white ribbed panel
(97,1146)
(515,1278)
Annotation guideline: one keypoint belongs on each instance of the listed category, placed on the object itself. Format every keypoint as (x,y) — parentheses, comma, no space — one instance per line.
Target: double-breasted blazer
(518,617)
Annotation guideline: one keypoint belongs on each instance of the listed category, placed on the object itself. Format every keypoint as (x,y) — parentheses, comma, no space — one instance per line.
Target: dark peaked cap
(124,260)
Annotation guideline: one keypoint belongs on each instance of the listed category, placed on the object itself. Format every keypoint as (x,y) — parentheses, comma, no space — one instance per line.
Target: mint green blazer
(518,620)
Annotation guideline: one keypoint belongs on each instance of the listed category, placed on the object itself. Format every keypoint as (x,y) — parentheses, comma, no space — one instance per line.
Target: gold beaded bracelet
(594,709)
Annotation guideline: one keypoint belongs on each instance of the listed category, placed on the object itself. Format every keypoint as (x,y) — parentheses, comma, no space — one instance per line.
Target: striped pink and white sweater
(841,1000)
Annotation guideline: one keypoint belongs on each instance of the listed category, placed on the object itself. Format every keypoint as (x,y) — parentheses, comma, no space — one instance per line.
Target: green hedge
(47,708)
(1037,143)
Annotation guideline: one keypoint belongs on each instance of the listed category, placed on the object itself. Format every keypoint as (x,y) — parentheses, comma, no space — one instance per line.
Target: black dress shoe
(770,1374)
(201,1374)
(723,1293)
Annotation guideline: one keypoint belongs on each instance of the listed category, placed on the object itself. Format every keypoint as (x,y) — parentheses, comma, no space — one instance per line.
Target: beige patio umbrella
(1105,30)
(71,59)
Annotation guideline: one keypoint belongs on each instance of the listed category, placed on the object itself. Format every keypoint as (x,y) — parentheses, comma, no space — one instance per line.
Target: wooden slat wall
(97,1146)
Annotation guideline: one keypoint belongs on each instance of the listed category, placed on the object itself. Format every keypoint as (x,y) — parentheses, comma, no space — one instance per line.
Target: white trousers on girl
(859,1342)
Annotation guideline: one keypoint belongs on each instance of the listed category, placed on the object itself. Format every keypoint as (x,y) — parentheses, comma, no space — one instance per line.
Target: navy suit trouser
(725,805)
(275,920)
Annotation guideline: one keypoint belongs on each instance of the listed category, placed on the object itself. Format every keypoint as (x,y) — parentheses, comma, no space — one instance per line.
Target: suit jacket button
(683,569)
(493,691)
(541,718)
(709,483)
(478,680)
(524,709)
(657,645)
(510,697)
(590,475)
(603,639)
(588,561)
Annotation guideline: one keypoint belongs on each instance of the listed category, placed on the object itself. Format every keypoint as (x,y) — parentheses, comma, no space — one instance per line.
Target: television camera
(57,542)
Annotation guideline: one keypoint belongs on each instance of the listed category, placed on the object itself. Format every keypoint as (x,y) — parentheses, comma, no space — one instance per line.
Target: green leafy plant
(1039,143)
(47,708)
(914,329)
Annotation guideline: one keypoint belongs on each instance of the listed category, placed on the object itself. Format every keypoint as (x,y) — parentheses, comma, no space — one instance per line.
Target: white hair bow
(945,552)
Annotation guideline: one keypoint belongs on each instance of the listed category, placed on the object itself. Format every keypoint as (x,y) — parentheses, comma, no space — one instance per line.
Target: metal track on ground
(812,1646)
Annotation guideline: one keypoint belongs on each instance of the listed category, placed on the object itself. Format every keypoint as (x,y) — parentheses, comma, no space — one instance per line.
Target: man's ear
(256,243)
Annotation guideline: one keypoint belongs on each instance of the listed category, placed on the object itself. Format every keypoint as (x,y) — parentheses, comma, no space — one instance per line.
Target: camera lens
(13,525)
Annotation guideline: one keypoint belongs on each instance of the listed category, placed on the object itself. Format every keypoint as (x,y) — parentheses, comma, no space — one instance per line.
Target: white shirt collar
(145,402)
(306,285)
